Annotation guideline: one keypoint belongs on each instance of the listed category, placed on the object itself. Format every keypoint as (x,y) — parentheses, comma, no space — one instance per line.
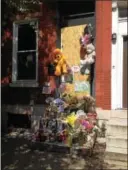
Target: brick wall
(103,54)
(47,43)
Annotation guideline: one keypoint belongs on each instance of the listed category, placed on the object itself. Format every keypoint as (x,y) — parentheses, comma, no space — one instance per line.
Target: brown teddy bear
(60,63)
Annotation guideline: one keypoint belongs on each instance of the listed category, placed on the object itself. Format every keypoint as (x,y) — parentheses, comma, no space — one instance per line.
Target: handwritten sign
(75,69)
(82,86)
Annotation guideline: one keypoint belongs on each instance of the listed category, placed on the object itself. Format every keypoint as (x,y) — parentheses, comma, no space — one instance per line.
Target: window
(25,53)
(123,12)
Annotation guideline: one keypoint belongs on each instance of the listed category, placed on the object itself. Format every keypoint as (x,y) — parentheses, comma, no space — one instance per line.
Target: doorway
(70,45)
(121,64)
(75,16)
(125,73)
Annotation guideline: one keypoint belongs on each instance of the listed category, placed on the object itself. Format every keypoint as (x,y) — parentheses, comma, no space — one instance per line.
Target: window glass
(26,37)
(123,12)
(26,66)
(25,50)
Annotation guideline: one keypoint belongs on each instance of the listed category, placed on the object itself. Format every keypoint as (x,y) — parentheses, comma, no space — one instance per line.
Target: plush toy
(85,39)
(60,63)
(89,57)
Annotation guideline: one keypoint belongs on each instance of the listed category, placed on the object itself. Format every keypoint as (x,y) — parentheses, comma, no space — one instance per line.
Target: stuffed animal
(60,63)
(88,59)
(89,52)
(84,40)
(90,55)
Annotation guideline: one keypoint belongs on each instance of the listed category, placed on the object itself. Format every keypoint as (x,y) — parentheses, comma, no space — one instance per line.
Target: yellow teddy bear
(60,62)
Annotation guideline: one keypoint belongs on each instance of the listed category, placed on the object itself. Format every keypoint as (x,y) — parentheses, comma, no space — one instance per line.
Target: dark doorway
(76,7)
(125,71)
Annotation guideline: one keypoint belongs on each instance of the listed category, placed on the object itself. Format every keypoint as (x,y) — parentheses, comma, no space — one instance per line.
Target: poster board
(70,37)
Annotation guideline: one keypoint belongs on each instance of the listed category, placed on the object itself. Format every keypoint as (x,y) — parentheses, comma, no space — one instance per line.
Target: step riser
(116,130)
(113,164)
(116,150)
(116,157)
(119,114)
(122,143)
(113,114)
(119,122)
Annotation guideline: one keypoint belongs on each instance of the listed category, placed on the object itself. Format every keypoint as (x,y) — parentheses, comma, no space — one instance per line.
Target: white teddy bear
(88,59)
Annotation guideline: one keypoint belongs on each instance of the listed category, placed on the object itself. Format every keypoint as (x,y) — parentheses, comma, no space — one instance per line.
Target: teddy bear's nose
(57,56)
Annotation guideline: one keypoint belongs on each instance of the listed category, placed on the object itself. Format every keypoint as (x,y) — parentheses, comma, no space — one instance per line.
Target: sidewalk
(16,155)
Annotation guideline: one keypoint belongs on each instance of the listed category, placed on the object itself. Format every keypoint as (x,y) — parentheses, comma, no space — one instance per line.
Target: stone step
(116,138)
(120,158)
(103,114)
(117,122)
(113,164)
(114,149)
(118,141)
(117,126)
(119,114)
(115,130)
(107,114)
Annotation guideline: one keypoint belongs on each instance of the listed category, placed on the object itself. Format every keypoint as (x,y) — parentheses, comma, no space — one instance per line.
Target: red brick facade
(103,54)
(47,42)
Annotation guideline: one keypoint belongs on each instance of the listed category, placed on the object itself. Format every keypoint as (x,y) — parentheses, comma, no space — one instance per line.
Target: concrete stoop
(116,140)
(117,165)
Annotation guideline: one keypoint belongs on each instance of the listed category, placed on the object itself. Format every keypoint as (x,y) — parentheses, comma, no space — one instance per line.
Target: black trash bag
(51,69)
(85,69)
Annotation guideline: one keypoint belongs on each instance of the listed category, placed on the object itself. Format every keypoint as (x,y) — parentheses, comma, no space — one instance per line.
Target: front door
(70,45)
(125,71)
(122,64)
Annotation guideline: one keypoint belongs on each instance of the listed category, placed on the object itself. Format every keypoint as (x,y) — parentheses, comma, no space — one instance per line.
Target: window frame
(15,81)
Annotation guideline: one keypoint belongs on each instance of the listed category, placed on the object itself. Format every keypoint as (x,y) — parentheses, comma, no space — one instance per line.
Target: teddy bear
(89,54)
(89,57)
(60,63)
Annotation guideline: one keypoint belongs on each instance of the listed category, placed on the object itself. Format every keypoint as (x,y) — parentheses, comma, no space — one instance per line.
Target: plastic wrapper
(71,119)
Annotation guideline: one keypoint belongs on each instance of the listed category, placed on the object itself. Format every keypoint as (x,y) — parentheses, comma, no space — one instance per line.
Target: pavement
(16,154)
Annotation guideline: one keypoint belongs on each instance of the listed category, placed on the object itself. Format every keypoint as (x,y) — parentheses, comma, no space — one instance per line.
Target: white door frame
(119,27)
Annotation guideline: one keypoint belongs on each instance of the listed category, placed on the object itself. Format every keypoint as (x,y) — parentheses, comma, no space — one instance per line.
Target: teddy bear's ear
(57,50)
